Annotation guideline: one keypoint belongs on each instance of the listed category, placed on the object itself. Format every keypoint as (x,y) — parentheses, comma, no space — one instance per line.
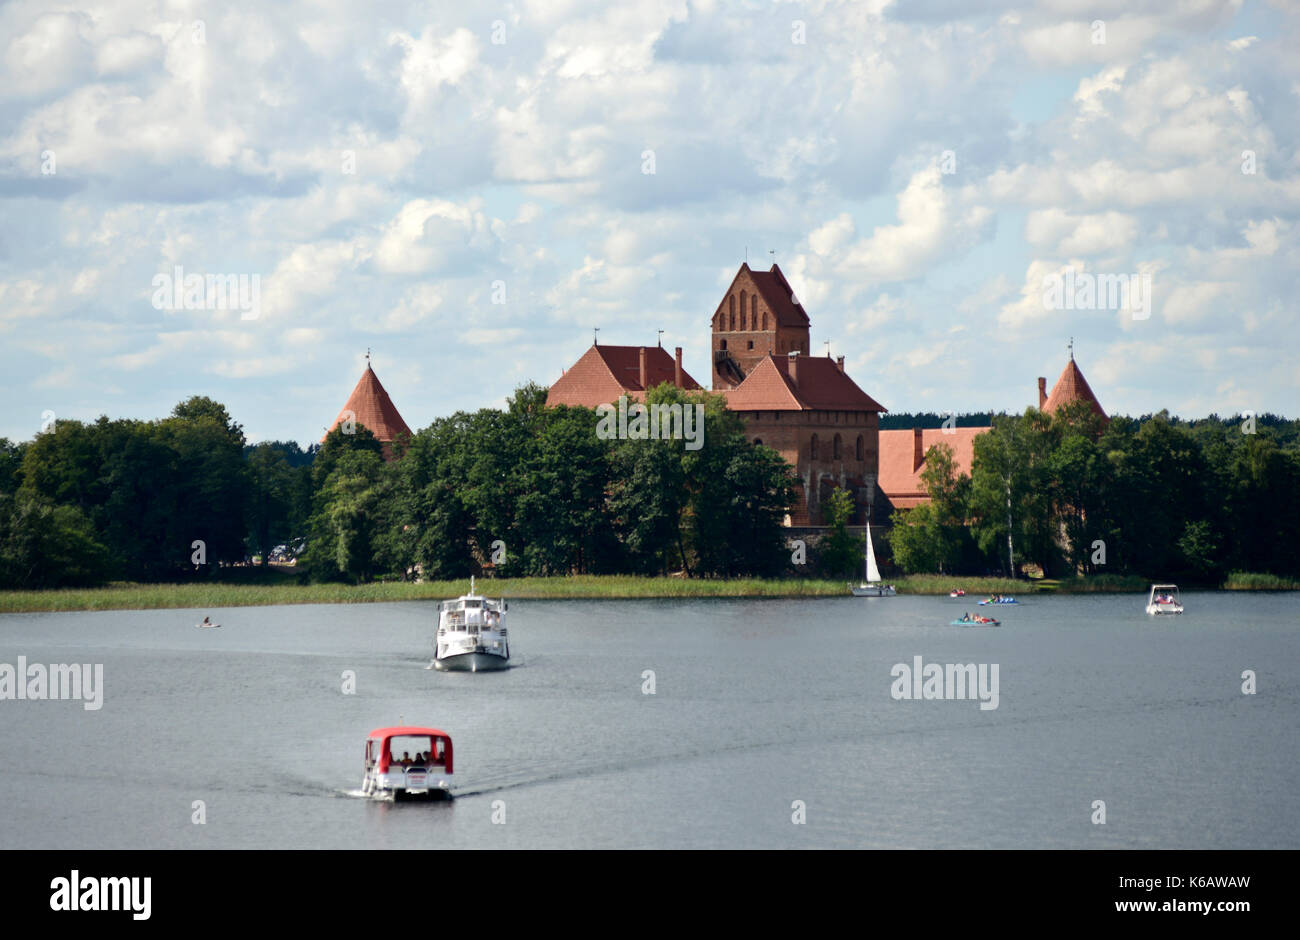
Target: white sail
(873,573)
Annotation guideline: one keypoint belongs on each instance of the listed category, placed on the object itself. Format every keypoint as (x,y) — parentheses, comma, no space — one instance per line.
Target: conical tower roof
(1072,386)
(370,405)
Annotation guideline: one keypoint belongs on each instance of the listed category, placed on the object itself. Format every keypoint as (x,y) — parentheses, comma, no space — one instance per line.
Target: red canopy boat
(408,761)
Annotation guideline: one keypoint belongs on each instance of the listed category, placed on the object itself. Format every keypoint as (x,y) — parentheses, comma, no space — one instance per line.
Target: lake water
(757,704)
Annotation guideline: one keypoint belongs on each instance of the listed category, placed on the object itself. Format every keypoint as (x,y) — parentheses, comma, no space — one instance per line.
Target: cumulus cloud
(612,165)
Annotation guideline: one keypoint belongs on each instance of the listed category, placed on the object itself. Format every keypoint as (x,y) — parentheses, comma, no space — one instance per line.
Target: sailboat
(872,586)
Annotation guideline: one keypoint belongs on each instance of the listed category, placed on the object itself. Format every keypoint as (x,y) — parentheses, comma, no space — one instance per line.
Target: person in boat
(406,759)
(207,622)
(965,618)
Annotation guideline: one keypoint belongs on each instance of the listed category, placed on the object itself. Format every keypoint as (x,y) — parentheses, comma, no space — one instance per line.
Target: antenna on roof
(772,252)
(367,357)
(828,349)
(1071,348)
(746,254)
(661,338)
(595,340)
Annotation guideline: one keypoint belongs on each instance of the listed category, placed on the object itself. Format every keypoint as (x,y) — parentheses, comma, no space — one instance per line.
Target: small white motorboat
(423,769)
(1163,599)
(872,587)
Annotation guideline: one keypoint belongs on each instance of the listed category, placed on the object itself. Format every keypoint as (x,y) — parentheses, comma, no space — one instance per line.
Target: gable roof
(776,293)
(899,476)
(821,386)
(603,373)
(1072,386)
(370,406)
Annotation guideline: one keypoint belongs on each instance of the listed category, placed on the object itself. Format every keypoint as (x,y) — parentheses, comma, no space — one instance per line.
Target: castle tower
(370,407)
(758,317)
(1071,386)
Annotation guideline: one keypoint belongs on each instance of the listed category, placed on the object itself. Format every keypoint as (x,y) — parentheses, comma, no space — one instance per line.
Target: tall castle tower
(758,317)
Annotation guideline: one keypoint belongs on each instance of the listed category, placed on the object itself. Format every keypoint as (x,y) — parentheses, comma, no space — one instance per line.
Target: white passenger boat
(471,634)
(407,762)
(1164,600)
(872,587)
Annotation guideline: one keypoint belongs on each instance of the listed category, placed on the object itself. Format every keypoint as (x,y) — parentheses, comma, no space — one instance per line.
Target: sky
(467,190)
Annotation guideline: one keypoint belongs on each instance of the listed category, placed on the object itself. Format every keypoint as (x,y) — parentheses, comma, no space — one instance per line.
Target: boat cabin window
(473,605)
(414,748)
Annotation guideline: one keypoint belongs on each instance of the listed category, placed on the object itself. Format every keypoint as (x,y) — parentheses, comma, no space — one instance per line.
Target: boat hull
(873,591)
(471,662)
(976,623)
(1157,610)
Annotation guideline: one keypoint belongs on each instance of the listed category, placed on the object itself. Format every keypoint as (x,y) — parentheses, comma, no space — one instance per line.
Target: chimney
(794,368)
(918,450)
(839,361)
(1042,392)
(643,370)
(677,367)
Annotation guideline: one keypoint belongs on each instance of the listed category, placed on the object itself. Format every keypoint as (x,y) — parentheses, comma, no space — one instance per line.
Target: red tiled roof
(1072,386)
(821,386)
(370,406)
(606,372)
(898,475)
(779,295)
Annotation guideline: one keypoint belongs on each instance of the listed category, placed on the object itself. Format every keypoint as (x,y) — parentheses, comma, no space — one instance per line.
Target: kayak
(956,593)
(1009,601)
(202,625)
(977,623)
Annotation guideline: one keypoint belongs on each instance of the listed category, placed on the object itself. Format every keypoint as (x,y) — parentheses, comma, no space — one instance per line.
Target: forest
(531,490)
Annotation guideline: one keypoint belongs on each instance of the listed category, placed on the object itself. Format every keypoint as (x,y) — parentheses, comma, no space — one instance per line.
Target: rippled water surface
(757,704)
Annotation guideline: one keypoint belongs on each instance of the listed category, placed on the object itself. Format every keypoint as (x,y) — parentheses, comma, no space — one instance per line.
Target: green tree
(47,546)
(841,552)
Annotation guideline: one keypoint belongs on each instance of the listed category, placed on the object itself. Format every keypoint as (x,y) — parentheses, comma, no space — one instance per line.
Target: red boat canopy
(406,729)
(383,735)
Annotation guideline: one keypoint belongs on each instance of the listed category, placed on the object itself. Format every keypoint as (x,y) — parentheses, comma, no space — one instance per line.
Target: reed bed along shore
(212,595)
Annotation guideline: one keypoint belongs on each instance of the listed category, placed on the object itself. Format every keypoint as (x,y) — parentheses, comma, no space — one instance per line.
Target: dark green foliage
(842,553)
(1157,497)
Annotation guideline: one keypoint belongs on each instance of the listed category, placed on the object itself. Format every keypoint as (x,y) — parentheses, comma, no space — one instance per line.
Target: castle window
(731,308)
(751,344)
(724,344)
(758,442)
(742,309)
(835,448)
(765,319)
(753,312)
(813,450)
(861,449)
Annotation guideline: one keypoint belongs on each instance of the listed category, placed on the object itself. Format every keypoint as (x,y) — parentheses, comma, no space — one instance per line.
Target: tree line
(534,490)
(1154,496)
(528,490)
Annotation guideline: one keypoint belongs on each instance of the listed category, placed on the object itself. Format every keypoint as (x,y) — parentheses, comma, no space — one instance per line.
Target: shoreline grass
(207,596)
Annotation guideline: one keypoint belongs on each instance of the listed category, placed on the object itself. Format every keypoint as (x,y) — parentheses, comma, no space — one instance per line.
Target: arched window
(861,449)
(731,304)
(765,319)
(835,448)
(742,309)
(758,442)
(753,312)
(813,451)
(724,344)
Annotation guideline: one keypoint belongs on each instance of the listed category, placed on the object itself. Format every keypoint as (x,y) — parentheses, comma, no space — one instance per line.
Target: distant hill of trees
(906,420)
